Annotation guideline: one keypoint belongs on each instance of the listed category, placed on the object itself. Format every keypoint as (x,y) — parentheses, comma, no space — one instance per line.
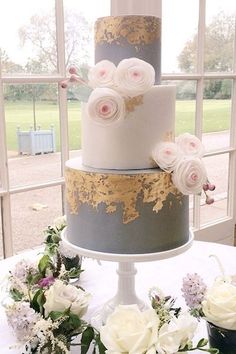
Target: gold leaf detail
(118,189)
(131,103)
(136,30)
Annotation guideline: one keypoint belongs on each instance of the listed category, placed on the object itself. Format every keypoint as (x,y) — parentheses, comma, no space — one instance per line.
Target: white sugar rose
(175,334)
(190,145)
(166,155)
(105,106)
(102,74)
(134,77)
(189,175)
(219,306)
(128,330)
(60,297)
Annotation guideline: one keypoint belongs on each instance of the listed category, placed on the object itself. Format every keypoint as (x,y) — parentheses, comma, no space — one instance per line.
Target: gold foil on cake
(131,103)
(117,189)
(135,30)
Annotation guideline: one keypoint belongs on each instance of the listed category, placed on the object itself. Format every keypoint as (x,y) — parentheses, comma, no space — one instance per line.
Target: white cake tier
(149,120)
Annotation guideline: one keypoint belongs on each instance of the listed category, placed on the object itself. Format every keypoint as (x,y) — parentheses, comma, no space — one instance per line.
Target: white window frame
(220,231)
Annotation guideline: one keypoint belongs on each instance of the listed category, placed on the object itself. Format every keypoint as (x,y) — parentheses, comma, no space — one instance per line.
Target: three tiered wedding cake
(120,195)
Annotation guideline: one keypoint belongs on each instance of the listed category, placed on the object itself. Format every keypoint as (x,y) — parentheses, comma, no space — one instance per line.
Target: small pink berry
(205,187)
(73,78)
(209,200)
(211,187)
(72,70)
(64,84)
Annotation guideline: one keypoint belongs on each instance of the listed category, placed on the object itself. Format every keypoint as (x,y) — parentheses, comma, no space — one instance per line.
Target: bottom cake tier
(124,212)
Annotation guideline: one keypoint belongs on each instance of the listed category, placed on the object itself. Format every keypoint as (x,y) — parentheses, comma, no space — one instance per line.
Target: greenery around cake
(45,307)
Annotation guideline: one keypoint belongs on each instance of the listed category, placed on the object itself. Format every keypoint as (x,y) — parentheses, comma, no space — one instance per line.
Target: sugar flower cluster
(112,85)
(132,77)
(183,158)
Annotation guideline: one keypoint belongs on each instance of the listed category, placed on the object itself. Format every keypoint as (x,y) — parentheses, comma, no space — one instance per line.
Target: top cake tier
(121,37)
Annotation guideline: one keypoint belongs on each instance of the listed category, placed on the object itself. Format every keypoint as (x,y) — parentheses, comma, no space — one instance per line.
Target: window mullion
(4,177)
(232,161)
(199,95)
(62,93)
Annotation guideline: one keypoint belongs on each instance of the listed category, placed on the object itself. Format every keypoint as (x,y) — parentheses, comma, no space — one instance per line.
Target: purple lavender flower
(194,290)
(45,282)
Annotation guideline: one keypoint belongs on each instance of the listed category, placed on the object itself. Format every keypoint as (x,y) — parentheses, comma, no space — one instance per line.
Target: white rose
(102,74)
(189,175)
(134,77)
(175,334)
(128,330)
(166,155)
(190,145)
(105,106)
(60,297)
(60,222)
(219,306)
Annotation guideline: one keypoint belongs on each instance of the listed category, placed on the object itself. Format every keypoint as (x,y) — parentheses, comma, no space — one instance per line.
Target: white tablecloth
(101,280)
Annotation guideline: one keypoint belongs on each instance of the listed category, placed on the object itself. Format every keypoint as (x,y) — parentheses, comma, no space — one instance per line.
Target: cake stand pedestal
(126,293)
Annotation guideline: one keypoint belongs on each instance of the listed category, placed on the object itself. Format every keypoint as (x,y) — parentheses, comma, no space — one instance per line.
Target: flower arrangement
(44,309)
(216,304)
(162,329)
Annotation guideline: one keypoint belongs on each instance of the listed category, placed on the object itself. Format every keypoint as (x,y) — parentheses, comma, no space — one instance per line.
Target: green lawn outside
(216,118)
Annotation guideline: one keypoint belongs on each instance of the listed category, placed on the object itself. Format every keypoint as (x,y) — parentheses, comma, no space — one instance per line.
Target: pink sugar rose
(105,106)
(102,74)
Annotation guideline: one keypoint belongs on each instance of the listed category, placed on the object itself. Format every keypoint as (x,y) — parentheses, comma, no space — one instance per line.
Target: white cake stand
(126,271)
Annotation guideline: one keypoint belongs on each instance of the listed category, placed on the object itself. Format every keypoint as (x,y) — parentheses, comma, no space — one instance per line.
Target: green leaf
(202,343)
(38,301)
(213,351)
(55,315)
(44,263)
(75,321)
(87,337)
(16,295)
(101,347)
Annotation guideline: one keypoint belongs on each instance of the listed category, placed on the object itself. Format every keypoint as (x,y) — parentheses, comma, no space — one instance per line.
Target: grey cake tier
(122,37)
(130,212)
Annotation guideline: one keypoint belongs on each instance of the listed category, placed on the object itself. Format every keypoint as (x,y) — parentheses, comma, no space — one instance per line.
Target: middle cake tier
(128,212)
(128,144)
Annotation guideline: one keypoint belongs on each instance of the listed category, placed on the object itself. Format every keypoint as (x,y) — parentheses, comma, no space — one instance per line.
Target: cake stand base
(126,294)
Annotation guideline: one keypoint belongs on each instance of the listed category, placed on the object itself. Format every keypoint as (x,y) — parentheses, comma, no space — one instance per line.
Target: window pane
(216,113)
(27,36)
(219,37)
(217,169)
(179,39)
(33,133)
(80,16)
(32,212)
(74,117)
(185,107)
